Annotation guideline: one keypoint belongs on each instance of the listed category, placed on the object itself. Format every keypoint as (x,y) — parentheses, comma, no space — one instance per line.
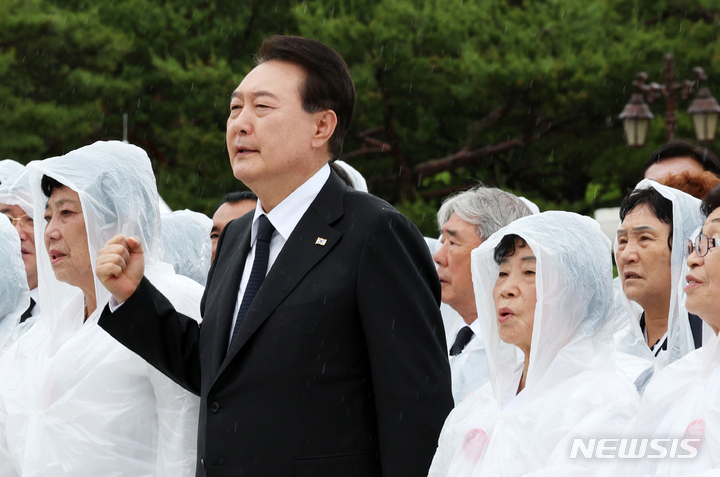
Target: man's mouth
(631,276)
(244,150)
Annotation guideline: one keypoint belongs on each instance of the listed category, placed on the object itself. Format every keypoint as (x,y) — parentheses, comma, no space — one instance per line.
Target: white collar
(475,326)
(286,215)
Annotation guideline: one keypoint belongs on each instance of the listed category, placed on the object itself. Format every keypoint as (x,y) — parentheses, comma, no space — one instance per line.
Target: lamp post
(704,109)
(636,118)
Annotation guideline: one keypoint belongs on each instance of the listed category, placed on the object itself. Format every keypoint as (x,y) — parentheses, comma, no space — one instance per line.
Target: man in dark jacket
(322,349)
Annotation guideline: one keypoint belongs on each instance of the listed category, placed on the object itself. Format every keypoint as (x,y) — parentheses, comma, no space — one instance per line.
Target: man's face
(27,241)
(269,136)
(224,214)
(643,257)
(672,166)
(459,238)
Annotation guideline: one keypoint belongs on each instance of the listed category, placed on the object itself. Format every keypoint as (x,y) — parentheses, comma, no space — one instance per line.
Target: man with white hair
(467,219)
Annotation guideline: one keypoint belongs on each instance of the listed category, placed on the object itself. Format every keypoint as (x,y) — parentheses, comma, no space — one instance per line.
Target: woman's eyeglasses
(702,245)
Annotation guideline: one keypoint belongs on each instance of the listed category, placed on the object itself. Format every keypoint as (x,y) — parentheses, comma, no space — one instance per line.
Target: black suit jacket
(340,366)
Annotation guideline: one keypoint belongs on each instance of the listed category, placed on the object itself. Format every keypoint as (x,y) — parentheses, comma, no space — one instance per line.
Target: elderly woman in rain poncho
(649,254)
(682,401)
(74,401)
(543,284)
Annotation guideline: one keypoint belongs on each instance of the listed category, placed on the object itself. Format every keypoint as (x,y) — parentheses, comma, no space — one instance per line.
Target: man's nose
(440,256)
(242,123)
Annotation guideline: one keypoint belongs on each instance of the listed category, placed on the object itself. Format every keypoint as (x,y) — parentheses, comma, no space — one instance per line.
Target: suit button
(214,407)
(202,462)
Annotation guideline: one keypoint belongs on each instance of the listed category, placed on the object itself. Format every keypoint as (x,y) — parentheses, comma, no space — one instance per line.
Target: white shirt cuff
(113,304)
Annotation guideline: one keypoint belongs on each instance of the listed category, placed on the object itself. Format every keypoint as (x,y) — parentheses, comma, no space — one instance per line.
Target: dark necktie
(28,312)
(259,269)
(461,340)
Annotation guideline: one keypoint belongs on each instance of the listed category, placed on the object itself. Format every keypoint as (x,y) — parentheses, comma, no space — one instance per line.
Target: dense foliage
(519,94)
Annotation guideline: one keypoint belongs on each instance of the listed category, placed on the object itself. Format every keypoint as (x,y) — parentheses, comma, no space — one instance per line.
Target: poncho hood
(571,330)
(117,191)
(686,220)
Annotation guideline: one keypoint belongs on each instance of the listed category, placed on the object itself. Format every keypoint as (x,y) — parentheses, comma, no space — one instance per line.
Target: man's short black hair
(711,202)
(506,247)
(328,84)
(661,207)
(47,184)
(681,148)
(235,197)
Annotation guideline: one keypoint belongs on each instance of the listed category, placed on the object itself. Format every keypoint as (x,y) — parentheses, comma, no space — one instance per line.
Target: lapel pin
(320,241)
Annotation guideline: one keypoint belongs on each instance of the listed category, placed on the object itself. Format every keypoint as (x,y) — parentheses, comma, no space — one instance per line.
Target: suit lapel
(299,255)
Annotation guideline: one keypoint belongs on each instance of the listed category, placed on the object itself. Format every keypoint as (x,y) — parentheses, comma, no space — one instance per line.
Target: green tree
(518,94)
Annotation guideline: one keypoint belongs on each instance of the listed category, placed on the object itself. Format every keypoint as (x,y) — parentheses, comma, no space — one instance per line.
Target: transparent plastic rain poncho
(358,181)
(573,387)
(16,191)
(9,168)
(14,293)
(681,401)
(186,243)
(73,401)
(630,339)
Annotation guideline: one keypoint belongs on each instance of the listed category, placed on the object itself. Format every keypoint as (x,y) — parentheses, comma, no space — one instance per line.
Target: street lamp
(704,112)
(704,109)
(636,120)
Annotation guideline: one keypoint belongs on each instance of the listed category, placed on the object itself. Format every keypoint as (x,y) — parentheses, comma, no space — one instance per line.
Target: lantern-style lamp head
(636,118)
(704,111)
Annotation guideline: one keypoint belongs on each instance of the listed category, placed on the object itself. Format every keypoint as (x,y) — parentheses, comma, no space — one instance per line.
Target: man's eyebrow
(5,210)
(256,94)
(529,258)
(715,220)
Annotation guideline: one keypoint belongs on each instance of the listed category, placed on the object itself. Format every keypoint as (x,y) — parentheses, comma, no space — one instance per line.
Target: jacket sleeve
(148,324)
(398,296)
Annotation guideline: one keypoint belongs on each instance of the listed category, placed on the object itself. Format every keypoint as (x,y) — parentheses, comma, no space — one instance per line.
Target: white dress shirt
(35,295)
(469,369)
(284,217)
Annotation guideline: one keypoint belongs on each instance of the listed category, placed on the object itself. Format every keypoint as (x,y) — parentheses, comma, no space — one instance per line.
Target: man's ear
(325,124)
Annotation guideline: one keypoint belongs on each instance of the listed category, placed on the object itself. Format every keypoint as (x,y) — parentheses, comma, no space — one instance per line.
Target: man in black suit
(322,351)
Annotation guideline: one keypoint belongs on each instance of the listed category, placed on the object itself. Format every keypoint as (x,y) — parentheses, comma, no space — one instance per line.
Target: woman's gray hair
(488,208)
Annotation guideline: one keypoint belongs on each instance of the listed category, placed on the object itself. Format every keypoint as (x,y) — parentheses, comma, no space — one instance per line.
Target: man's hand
(120,266)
